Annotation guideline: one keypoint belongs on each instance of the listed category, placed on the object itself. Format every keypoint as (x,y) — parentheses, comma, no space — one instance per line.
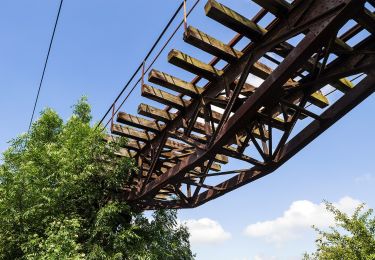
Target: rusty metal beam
(364,89)
(178,147)
(331,15)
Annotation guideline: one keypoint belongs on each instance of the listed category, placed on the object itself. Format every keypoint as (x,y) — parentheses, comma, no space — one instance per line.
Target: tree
(352,237)
(60,190)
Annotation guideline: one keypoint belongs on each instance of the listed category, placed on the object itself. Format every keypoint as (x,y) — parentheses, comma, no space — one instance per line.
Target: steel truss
(180,154)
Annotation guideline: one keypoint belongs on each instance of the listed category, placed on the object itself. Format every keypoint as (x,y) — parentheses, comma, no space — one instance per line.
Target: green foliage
(59,190)
(352,237)
(59,242)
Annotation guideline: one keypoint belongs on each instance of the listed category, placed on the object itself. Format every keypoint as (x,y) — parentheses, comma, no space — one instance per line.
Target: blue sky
(97,47)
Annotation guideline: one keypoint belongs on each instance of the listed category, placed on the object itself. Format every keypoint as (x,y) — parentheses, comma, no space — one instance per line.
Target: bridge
(181,145)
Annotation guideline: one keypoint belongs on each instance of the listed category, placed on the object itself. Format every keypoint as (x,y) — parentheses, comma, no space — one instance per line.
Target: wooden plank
(247,88)
(164,97)
(166,165)
(139,122)
(156,113)
(129,144)
(318,99)
(146,168)
(197,127)
(221,158)
(211,45)
(131,133)
(261,70)
(172,144)
(133,145)
(221,101)
(214,167)
(174,155)
(173,83)
(233,20)
(344,85)
(223,51)
(193,65)
(142,136)
(162,115)
(193,139)
(123,152)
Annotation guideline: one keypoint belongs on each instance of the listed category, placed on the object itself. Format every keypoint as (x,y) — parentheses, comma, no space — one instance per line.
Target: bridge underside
(311,75)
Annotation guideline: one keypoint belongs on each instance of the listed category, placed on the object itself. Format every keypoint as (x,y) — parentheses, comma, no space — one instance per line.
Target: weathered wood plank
(318,99)
(146,168)
(165,116)
(233,20)
(246,90)
(156,113)
(214,167)
(139,122)
(144,137)
(211,45)
(166,165)
(164,97)
(223,51)
(123,152)
(172,144)
(173,155)
(221,158)
(173,83)
(191,140)
(344,85)
(129,144)
(133,145)
(193,65)
(132,133)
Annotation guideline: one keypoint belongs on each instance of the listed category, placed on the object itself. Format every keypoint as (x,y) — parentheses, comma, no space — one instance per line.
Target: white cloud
(297,219)
(264,257)
(206,231)
(365,178)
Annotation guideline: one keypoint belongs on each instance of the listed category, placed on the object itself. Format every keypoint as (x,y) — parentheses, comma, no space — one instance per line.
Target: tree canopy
(352,237)
(60,190)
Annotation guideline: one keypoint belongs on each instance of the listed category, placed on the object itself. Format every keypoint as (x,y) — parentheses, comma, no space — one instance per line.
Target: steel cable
(141,64)
(45,65)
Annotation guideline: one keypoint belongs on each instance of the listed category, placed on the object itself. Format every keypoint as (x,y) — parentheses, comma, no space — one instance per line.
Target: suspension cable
(141,64)
(45,65)
(151,64)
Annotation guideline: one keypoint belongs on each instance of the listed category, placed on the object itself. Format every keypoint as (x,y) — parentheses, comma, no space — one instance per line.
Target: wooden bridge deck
(180,147)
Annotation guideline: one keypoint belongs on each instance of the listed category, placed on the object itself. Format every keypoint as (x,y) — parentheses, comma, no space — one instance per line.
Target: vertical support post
(113,113)
(143,73)
(185,19)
